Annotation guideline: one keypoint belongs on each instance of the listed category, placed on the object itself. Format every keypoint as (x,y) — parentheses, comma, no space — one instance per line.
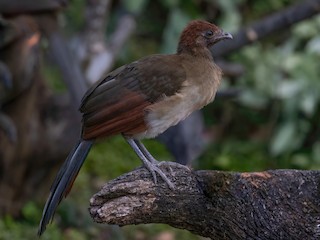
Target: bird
(141,100)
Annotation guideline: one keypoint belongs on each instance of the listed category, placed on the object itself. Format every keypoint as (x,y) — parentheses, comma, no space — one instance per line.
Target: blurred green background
(272,124)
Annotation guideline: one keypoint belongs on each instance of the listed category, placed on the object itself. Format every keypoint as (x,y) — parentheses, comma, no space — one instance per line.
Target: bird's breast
(171,110)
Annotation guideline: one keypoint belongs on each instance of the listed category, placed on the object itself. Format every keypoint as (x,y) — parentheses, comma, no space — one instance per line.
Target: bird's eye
(208,34)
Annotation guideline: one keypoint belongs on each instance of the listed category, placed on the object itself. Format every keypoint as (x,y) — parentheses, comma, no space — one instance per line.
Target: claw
(153,168)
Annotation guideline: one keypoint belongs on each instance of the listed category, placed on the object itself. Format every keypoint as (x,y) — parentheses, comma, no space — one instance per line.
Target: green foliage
(231,18)
(236,155)
(73,17)
(114,157)
(286,77)
(24,230)
(53,77)
(256,9)
(147,230)
(176,22)
(136,6)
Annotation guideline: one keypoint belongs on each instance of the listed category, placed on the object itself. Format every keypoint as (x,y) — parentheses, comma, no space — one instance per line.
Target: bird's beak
(220,36)
(223,35)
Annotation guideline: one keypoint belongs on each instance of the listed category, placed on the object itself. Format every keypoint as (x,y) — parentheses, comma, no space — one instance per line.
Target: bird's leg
(167,164)
(145,152)
(150,165)
(150,157)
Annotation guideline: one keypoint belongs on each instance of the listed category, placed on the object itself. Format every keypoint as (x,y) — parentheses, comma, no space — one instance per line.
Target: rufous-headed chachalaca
(143,99)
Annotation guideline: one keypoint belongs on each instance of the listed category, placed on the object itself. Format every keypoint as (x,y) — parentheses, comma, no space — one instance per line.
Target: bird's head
(200,34)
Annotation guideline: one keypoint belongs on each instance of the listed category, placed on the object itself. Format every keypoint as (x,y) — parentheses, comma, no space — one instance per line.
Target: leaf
(134,6)
(306,29)
(231,17)
(308,103)
(292,61)
(300,160)
(288,89)
(316,152)
(175,24)
(313,45)
(253,99)
(171,3)
(283,139)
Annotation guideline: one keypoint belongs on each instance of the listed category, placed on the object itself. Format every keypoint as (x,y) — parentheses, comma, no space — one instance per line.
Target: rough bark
(279,204)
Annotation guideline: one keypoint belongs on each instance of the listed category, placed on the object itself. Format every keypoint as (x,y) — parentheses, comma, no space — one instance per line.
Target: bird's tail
(64,180)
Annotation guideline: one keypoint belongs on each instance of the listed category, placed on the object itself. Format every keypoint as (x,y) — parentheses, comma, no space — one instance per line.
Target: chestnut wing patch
(117,103)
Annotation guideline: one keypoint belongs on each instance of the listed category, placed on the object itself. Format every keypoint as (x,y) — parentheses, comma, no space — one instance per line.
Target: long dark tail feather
(64,180)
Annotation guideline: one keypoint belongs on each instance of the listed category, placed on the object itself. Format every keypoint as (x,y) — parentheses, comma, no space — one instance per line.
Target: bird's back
(118,103)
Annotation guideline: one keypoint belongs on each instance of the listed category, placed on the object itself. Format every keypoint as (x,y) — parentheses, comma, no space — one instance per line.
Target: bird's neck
(198,52)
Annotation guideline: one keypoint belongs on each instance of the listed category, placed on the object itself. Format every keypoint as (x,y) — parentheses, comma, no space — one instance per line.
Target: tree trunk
(45,125)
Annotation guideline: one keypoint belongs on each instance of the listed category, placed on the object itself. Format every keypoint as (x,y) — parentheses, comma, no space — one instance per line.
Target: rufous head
(200,34)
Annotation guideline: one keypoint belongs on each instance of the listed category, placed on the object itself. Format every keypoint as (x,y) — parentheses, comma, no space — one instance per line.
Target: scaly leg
(167,164)
(150,164)
(145,152)
(153,160)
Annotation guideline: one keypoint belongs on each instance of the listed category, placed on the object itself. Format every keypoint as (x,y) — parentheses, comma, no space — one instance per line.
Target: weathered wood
(278,204)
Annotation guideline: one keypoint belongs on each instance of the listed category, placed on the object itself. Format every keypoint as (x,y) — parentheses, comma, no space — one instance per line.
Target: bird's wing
(117,103)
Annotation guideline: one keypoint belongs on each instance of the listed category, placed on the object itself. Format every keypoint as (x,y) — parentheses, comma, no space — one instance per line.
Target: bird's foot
(154,168)
(173,164)
(149,161)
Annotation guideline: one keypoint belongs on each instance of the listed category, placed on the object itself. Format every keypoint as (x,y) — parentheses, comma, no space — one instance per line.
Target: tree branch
(60,53)
(275,22)
(31,6)
(279,204)
(101,62)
